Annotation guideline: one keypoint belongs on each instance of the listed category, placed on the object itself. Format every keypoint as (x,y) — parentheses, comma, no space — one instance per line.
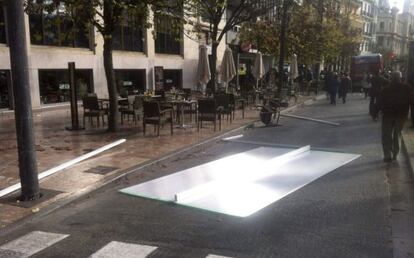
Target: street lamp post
(23,106)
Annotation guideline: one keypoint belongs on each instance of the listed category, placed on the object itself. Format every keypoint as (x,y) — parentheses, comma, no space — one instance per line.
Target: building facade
(369,13)
(393,32)
(136,53)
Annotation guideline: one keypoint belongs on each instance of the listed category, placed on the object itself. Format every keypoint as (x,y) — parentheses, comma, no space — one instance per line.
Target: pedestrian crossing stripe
(37,241)
(30,244)
(125,250)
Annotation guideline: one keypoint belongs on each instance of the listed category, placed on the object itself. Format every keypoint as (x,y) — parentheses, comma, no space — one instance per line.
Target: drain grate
(101,170)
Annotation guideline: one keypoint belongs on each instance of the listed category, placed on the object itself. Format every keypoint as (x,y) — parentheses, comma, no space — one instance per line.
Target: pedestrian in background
(366,84)
(377,83)
(393,101)
(346,84)
(333,86)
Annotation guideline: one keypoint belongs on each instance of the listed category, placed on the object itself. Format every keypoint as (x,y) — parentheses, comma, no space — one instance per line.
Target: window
(380,41)
(167,39)
(130,82)
(6,98)
(2,25)
(54,85)
(129,35)
(382,25)
(53,28)
(388,42)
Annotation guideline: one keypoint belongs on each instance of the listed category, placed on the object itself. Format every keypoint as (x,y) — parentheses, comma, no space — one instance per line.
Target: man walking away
(394,101)
(377,83)
(333,85)
(346,84)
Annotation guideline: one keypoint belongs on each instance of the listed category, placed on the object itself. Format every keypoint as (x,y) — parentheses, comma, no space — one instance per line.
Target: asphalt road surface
(345,213)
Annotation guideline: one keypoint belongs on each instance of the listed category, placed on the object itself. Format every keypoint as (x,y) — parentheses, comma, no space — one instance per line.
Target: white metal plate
(243,183)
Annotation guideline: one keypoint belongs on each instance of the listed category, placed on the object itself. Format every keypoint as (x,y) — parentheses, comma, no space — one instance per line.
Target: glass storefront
(130,82)
(54,85)
(6,98)
(173,78)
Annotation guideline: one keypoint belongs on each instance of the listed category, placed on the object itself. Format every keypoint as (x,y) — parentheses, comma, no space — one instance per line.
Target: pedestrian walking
(366,84)
(346,84)
(393,101)
(377,83)
(333,86)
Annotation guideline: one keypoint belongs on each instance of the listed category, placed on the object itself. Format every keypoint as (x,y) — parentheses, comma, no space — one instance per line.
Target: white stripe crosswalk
(30,244)
(118,249)
(37,241)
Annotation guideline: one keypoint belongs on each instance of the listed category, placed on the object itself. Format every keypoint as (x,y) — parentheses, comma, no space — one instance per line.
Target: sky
(397,3)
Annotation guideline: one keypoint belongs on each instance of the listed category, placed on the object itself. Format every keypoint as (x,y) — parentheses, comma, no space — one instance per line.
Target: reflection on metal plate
(243,183)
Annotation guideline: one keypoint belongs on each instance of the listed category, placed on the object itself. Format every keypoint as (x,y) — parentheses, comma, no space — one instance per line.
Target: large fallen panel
(243,183)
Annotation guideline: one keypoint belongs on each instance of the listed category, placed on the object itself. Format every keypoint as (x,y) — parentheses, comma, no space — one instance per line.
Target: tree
(105,16)
(221,17)
(262,35)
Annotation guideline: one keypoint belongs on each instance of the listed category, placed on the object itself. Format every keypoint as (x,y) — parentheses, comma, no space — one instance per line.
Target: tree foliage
(317,31)
(220,16)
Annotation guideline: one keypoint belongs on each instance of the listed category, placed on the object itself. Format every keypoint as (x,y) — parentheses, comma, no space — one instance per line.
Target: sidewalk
(408,146)
(55,145)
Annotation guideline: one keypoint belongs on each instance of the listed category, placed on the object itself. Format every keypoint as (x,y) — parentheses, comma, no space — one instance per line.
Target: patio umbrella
(258,67)
(227,69)
(203,70)
(294,72)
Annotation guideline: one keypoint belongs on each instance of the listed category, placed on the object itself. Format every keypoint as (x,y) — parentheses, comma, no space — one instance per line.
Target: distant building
(369,13)
(394,30)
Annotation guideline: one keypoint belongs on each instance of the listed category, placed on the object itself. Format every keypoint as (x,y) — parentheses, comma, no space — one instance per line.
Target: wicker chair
(157,117)
(91,108)
(208,111)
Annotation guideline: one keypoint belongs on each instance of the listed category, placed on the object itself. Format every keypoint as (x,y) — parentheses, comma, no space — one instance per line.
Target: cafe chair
(91,108)
(155,116)
(208,111)
(224,102)
(134,109)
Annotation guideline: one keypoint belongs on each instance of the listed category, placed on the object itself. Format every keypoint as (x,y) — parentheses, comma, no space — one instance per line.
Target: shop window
(6,96)
(129,35)
(167,39)
(54,28)
(54,85)
(130,82)
(2,25)
(173,78)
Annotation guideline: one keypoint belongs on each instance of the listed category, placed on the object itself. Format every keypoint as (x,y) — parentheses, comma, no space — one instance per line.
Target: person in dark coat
(394,101)
(377,83)
(333,86)
(346,84)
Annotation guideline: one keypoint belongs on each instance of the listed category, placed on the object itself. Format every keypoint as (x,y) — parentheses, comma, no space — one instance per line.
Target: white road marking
(31,243)
(216,256)
(126,250)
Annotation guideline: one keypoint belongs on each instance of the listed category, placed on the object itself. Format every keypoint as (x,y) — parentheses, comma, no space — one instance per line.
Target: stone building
(135,56)
(393,33)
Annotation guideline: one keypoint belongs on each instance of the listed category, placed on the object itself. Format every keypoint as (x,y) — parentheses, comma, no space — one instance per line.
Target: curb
(71,198)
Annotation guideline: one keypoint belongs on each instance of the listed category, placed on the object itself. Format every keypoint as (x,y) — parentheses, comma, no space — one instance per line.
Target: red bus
(362,66)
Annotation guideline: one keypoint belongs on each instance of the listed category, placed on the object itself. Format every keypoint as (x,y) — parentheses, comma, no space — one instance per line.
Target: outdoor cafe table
(180,105)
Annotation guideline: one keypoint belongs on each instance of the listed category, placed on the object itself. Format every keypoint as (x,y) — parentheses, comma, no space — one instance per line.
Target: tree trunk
(112,91)
(109,67)
(213,66)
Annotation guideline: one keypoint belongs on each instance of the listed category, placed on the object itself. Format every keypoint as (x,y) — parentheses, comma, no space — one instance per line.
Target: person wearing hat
(394,101)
